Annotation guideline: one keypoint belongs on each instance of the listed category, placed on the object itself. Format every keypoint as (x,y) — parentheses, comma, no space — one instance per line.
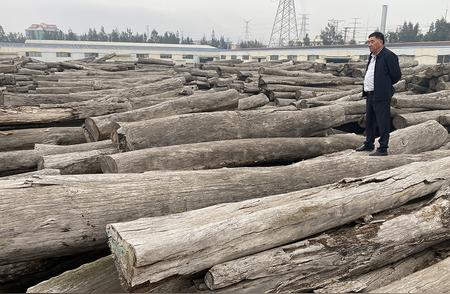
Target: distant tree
(3,37)
(71,36)
(203,41)
(438,31)
(409,33)
(222,43)
(102,36)
(114,36)
(330,36)
(307,40)
(251,44)
(154,37)
(186,40)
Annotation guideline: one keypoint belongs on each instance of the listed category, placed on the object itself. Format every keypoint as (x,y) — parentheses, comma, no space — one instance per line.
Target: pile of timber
(128,159)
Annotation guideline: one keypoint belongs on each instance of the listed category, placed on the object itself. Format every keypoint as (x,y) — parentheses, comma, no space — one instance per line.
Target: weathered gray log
(86,162)
(145,250)
(384,275)
(32,114)
(30,72)
(300,81)
(434,279)
(232,153)
(426,136)
(409,119)
(104,58)
(252,101)
(156,61)
(8,69)
(308,264)
(99,276)
(63,90)
(286,95)
(26,138)
(78,225)
(286,73)
(284,102)
(443,86)
(225,125)
(434,101)
(150,100)
(288,88)
(444,120)
(100,127)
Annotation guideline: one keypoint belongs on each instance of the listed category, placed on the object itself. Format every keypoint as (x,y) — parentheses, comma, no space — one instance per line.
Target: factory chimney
(383,19)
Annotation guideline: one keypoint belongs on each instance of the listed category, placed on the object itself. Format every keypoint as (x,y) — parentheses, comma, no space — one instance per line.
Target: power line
(304,26)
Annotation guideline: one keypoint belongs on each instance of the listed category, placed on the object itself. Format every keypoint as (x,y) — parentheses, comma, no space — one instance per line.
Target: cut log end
(399,122)
(209,281)
(92,130)
(108,165)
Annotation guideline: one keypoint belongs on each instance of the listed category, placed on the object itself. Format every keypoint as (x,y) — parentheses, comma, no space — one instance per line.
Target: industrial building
(50,50)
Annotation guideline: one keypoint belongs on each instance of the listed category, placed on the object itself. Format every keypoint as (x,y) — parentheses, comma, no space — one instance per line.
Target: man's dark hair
(377,35)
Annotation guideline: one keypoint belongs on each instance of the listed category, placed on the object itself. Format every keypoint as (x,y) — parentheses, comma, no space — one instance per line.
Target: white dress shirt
(370,74)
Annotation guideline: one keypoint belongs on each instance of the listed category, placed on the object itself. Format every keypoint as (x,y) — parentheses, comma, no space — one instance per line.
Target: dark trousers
(378,116)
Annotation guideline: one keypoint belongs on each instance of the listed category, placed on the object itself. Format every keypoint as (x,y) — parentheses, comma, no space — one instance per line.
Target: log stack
(218,177)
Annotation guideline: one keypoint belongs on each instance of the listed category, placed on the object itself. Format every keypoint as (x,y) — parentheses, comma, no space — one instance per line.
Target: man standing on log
(382,72)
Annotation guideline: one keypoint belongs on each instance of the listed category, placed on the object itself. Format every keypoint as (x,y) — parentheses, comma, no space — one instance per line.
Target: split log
(26,138)
(145,251)
(87,162)
(33,115)
(78,225)
(231,125)
(434,279)
(100,127)
(252,101)
(98,276)
(409,119)
(426,136)
(434,101)
(383,276)
(233,153)
(308,264)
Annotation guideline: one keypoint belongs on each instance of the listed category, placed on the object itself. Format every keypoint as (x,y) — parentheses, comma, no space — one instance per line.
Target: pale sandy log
(145,250)
(78,225)
(30,115)
(232,153)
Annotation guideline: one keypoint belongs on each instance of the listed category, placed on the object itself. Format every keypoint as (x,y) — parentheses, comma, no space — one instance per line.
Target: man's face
(374,44)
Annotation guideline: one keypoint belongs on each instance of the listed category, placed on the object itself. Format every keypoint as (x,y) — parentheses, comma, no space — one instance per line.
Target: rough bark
(26,138)
(308,264)
(232,153)
(145,250)
(225,125)
(409,119)
(434,279)
(36,115)
(300,81)
(78,225)
(101,127)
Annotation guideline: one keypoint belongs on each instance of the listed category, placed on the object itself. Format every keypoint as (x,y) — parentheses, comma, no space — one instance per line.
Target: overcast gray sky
(199,17)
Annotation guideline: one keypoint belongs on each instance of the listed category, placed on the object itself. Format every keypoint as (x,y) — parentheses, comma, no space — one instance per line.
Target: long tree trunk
(145,250)
(26,138)
(78,224)
(434,101)
(252,102)
(232,153)
(34,115)
(308,264)
(226,125)
(409,119)
(101,127)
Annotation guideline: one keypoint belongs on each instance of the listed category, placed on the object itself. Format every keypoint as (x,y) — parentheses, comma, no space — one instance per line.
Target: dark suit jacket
(387,73)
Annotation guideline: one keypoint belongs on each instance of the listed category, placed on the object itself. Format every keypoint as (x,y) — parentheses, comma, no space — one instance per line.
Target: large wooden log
(42,172)
(286,73)
(225,125)
(26,138)
(99,276)
(87,162)
(434,279)
(288,88)
(100,127)
(418,138)
(64,90)
(300,81)
(252,102)
(156,61)
(78,224)
(434,101)
(33,115)
(390,237)
(409,119)
(232,153)
(145,250)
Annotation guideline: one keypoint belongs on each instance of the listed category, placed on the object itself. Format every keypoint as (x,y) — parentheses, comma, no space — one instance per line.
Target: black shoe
(364,148)
(379,153)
